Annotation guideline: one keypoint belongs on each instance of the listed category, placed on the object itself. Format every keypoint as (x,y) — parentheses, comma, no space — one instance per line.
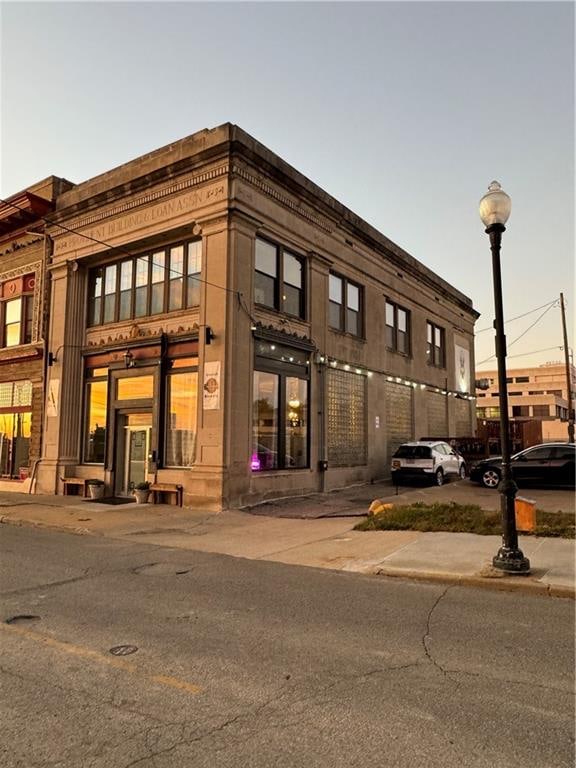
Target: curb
(5,520)
(502,583)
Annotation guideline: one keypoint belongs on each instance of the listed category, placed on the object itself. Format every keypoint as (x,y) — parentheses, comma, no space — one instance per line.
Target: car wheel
(490,478)
(462,471)
(439,477)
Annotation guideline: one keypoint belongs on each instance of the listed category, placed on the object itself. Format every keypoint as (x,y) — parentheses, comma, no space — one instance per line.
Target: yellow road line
(112,661)
(174,682)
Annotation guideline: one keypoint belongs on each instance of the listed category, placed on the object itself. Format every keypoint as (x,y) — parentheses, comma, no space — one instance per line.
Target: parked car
(541,465)
(432,460)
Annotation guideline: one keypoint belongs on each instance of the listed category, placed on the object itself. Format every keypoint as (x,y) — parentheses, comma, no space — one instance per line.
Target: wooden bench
(74,482)
(172,489)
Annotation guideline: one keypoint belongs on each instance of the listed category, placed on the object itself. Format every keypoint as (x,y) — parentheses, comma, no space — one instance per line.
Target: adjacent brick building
(24,250)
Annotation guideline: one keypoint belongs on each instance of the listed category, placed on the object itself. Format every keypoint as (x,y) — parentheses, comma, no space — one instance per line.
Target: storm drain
(123,650)
(22,618)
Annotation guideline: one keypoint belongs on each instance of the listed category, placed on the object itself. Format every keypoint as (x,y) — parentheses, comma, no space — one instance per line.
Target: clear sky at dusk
(402,111)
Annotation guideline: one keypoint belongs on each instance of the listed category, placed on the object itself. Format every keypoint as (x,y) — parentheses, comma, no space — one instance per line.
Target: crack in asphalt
(426,636)
(528,683)
(50,584)
(89,573)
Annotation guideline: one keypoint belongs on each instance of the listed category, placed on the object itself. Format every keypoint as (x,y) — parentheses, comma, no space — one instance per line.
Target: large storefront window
(280,408)
(15,431)
(15,426)
(265,421)
(181,410)
(96,412)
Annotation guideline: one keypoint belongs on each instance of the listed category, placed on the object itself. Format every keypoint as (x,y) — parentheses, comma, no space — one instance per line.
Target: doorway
(133,435)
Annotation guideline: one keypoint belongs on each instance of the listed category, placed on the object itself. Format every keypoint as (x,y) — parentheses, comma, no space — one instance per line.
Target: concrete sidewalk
(327,542)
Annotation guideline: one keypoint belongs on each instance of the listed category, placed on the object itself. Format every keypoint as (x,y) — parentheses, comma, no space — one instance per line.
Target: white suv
(427,459)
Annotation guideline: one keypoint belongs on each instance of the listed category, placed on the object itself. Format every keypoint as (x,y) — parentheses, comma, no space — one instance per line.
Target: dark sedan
(550,464)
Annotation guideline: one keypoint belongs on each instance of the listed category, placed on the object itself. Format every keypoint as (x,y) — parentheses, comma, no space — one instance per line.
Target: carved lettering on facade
(161,212)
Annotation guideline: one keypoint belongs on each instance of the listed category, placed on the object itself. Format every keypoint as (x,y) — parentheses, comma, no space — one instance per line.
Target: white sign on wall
(462,369)
(211,387)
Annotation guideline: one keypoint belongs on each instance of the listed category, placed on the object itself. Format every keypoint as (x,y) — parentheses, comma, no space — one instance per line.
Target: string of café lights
(322,359)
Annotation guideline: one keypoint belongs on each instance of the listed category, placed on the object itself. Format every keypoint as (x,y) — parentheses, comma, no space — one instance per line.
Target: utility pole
(568,373)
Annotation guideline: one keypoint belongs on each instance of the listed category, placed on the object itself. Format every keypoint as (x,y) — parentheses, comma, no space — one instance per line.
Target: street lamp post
(495,209)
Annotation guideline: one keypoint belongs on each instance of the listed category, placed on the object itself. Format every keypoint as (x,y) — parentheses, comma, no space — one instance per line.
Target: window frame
(344,307)
(431,347)
(25,319)
(395,328)
(279,301)
(98,273)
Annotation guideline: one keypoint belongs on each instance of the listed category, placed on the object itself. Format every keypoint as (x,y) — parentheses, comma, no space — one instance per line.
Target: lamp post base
(511,561)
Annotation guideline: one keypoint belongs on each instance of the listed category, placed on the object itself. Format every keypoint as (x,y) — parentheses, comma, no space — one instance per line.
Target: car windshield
(413,452)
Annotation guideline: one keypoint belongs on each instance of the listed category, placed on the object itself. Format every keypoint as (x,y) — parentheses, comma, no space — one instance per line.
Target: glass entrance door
(134,433)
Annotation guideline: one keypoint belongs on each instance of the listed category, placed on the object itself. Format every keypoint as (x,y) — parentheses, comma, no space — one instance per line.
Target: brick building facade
(23,310)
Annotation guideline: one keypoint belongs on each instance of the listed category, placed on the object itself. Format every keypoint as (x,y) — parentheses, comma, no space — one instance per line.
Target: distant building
(221,323)
(537,393)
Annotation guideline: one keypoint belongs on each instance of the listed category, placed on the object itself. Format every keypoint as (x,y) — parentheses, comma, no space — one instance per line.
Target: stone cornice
(287,202)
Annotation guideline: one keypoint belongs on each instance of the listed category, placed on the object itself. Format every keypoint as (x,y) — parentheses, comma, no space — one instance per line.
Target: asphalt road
(243,663)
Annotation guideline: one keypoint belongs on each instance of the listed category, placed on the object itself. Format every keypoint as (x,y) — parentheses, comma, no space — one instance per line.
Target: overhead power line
(118,249)
(519,317)
(123,251)
(524,354)
(548,308)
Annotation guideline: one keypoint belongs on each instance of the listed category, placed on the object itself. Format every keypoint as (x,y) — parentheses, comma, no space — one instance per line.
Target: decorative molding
(151,197)
(17,246)
(136,332)
(25,269)
(270,333)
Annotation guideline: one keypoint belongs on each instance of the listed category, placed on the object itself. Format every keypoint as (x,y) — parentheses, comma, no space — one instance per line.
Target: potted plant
(95,488)
(142,492)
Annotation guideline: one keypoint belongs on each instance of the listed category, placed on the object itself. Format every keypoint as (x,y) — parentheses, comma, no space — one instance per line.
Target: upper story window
(163,281)
(279,279)
(16,311)
(345,305)
(397,328)
(435,345)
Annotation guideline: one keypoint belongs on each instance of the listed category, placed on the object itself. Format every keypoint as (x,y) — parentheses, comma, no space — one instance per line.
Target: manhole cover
(123,650)
(22,618)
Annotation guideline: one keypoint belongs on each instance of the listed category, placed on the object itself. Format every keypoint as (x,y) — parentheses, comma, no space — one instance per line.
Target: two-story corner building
(23,309)
(222,323)
(538,393)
